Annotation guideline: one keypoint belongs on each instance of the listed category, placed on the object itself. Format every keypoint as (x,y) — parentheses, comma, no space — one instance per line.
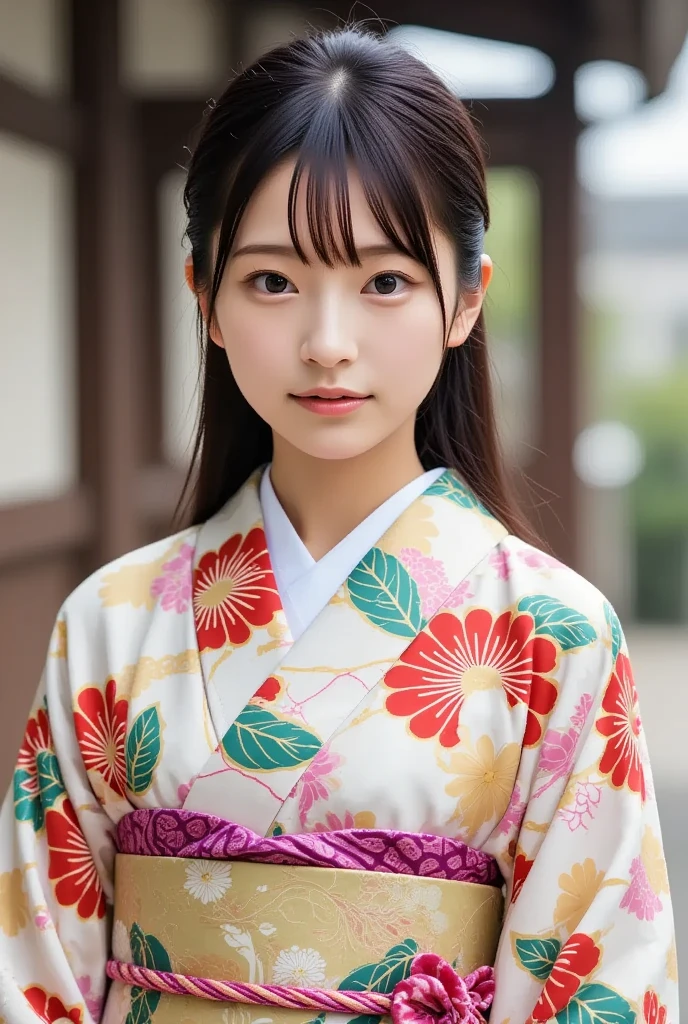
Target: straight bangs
(333,145)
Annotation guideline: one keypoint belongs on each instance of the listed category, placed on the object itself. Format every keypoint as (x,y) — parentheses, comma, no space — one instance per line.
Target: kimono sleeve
(588,934)
(56,855)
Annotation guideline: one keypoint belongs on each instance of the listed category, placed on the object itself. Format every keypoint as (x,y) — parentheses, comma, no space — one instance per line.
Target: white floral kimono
(458,683)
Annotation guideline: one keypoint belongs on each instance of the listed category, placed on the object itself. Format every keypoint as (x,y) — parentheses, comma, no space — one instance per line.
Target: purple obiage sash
(172,833)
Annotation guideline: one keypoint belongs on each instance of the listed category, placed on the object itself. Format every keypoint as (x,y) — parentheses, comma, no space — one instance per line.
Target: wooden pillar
(109,223)
(559,383)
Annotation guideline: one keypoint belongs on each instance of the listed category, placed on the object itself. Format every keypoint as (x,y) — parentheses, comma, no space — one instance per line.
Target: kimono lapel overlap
(275,703)
(241,629)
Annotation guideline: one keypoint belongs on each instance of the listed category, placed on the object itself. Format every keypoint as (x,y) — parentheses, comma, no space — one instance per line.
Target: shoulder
(550,589)
(123,597)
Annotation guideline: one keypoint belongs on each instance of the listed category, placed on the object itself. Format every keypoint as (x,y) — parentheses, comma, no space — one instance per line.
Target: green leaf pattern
(386,973)
(537,956)
(615,629)
(448,486)
(27,802)
(50,784)
(144,747)
(570,628)
(597,1004)
(382,589)
(260,741)
(146,951)
(37,791)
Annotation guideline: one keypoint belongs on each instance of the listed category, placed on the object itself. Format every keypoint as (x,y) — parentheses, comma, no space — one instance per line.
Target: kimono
(456,693)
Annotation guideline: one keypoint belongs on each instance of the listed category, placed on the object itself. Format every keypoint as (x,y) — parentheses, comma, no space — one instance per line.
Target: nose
(329,337)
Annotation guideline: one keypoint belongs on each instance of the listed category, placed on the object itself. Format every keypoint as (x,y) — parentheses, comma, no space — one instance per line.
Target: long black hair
(332,100)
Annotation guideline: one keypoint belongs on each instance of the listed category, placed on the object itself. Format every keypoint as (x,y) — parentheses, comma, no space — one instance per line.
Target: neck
(325,499)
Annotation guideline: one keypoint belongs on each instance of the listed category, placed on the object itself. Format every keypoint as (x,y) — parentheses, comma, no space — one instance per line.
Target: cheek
(408,347)
(256,348)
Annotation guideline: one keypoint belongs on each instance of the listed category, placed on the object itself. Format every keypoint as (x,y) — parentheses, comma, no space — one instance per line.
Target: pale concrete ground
(660,661)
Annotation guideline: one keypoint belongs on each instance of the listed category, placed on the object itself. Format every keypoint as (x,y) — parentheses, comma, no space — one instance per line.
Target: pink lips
(331,401)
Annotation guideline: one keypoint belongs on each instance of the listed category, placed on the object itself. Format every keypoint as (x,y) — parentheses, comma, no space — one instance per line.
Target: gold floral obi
(300,923)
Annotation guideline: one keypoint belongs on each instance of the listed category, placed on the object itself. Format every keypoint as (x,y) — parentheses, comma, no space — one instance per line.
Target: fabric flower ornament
(435,994)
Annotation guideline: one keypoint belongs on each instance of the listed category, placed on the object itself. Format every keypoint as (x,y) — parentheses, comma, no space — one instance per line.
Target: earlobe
(486,272)
(459,331)
(213,330)
(189,274)
(471,304)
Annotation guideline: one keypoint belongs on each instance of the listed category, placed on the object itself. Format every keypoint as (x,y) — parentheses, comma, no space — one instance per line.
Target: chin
(332,448)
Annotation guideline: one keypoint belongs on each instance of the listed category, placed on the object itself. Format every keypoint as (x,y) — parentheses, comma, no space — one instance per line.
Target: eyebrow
(268,249)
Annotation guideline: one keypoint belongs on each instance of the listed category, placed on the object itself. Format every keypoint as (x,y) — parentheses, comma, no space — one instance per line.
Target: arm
(588,935)
(56,855)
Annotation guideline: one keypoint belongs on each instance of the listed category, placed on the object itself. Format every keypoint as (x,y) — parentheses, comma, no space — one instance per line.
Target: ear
(471,304)
(188,273)
(213,330)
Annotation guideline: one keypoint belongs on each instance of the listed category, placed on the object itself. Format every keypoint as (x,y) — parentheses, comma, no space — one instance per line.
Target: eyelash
(274,273)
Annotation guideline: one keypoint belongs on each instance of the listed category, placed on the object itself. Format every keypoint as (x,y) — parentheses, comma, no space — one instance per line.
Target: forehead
(266,216)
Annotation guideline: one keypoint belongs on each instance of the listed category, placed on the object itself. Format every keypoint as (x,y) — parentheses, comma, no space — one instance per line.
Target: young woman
(353,740)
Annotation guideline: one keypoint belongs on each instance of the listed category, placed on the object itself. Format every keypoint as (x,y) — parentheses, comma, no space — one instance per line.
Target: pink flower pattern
(462,593)
(317,781)
(585,802)
(513,815)
(183,791)
(640,898)
(334,824)
(429,574)
(580,715)
(499,561)
(539,560)
(94,1004)
(559,748)
(174,586)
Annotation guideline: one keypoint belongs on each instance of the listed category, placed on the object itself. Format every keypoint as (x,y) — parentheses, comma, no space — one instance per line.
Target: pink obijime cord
(433,991)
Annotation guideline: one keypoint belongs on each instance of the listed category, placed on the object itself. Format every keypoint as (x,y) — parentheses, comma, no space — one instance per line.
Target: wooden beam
(30,529)
(509,129)
(43,120)
(554,158)
(110,323)
(166,126)
(159,490)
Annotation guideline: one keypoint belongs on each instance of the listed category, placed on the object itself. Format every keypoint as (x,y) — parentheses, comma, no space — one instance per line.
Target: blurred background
(584,109)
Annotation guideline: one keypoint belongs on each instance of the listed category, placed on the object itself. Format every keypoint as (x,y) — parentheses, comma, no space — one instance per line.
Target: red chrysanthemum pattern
(269,691)
(577,959)
(50,1008)
(620,724)
(36,738)
(653,1011)
(522,866)
(70,864)
(453,659)
(101,731)
(234,590)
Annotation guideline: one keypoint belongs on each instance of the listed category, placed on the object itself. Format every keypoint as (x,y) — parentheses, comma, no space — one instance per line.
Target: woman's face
(335,360)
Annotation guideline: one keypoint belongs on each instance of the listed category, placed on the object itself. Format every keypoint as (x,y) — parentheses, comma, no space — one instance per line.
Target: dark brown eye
(385,284)
(275,283)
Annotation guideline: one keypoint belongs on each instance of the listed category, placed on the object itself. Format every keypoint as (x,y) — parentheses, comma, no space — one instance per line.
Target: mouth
(331,401)
(331,394)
